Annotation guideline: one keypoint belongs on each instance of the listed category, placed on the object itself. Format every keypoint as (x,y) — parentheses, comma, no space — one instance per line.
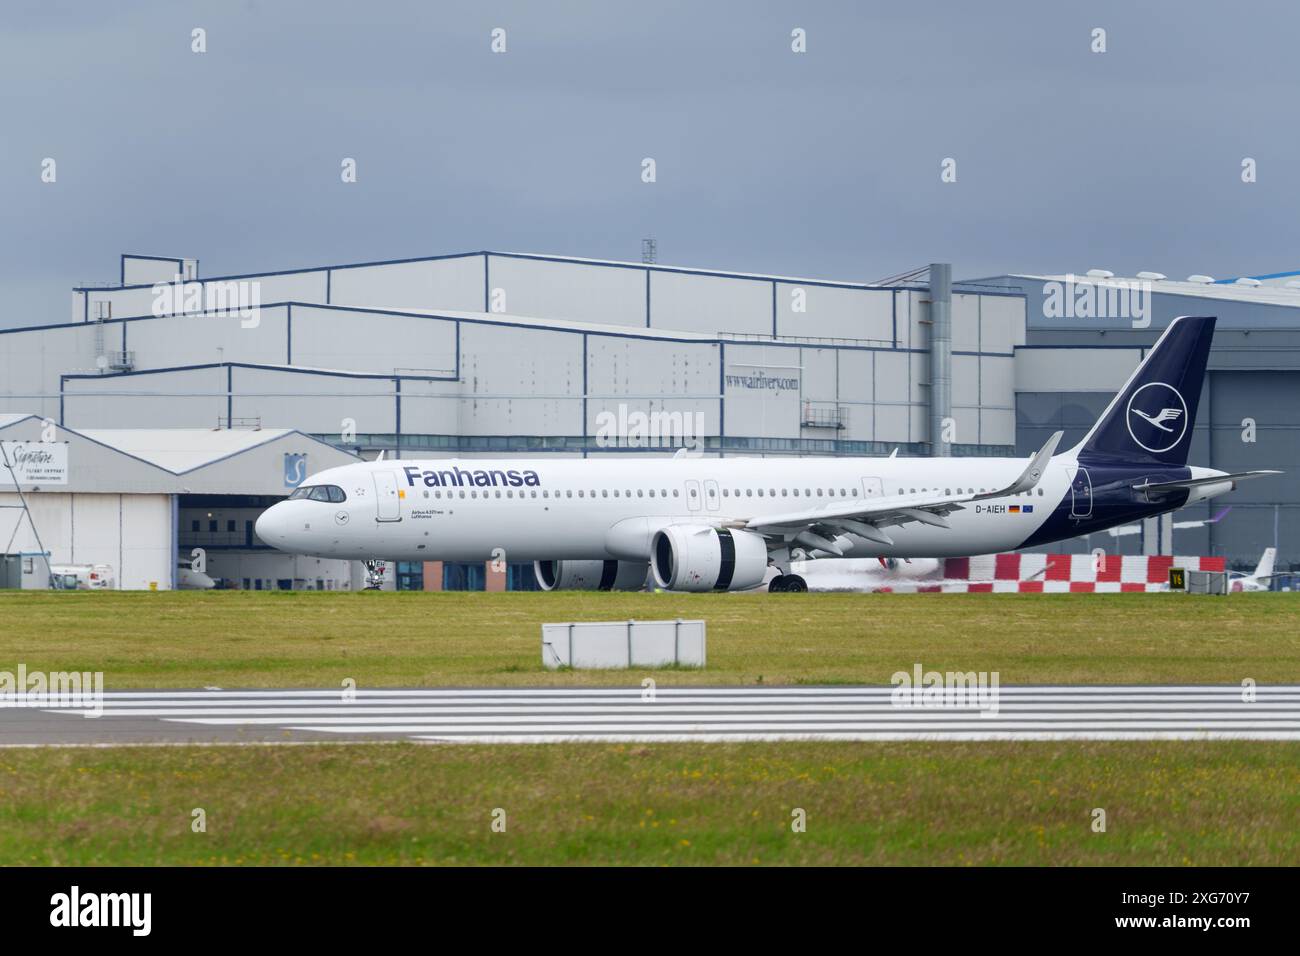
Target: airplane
(1258,579)
(717,524)
(187,579)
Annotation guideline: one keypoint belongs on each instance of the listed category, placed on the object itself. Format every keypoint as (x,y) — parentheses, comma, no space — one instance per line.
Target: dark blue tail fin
(1151,418)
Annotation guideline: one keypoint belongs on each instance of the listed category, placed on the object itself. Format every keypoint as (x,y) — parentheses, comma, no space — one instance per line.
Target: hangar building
(139,500)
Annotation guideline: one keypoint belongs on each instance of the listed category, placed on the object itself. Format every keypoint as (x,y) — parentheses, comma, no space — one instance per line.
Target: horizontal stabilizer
(1162,487)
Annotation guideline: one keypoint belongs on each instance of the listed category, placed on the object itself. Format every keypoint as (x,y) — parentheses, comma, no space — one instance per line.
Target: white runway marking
(510,715)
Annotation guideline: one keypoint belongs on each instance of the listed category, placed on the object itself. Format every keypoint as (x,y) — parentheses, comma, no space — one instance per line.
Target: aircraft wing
(1165,487)
(865,517)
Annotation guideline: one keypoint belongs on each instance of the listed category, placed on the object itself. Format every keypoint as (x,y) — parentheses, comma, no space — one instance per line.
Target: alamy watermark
(65,690)
(962,690)
(191,297)
(624,427)
(1099,298)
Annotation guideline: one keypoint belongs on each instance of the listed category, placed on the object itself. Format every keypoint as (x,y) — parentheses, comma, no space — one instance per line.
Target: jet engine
(590,575)
(701,558)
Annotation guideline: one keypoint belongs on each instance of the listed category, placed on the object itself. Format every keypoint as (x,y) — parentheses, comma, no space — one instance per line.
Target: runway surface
(509,715)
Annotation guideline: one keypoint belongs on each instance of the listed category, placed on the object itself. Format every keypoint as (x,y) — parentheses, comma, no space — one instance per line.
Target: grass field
(923,803)
(1015,803)
(270,639)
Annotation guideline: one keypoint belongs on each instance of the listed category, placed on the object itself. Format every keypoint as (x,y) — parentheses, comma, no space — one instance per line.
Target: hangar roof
(238,461)
(1221,291)
(183,449)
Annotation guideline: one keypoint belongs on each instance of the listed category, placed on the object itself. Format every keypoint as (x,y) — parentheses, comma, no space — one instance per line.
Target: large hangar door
(387,504)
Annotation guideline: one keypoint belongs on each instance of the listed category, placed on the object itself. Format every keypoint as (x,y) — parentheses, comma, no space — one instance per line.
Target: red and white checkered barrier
(1060,573)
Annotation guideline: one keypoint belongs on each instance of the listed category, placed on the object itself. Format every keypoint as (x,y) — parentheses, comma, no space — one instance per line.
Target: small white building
(142,500)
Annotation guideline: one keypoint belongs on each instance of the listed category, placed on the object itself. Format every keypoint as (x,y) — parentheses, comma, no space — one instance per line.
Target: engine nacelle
(687,557)
(590,575)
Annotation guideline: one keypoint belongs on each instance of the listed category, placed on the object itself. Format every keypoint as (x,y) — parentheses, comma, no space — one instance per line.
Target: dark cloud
(823,164)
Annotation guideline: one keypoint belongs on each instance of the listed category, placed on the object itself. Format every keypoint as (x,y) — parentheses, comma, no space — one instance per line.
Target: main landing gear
(787,582)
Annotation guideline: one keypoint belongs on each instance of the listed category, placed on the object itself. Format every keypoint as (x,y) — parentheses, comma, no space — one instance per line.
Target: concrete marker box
(622,644)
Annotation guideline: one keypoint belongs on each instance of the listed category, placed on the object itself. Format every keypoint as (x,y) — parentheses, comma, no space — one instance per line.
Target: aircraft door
(873,487)
(1081,494)
(692,494)
(387,497)
(712,501)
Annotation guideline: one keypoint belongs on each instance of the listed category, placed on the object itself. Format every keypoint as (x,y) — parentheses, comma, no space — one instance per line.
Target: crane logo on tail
(1157,417)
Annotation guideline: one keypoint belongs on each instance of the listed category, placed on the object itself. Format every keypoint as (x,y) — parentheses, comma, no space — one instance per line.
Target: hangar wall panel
(1002,323)
(673,384)
(191,339)
(342,340)
(517,381)
(293,287)
(763,391)
(452,284)
(137,270)
(122,303)
(819,376)
(857,373)
(998,426)
(915,332)
(834,312)
(31,363)
(997,381)
(618,367)
(1073,370)
(710,304)
(178,399)
(608,295)
(436,408)
(317,403)
(965,381)
(965,322)
(892,374)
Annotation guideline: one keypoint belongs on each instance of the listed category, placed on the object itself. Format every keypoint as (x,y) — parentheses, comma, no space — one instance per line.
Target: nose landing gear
(374,574)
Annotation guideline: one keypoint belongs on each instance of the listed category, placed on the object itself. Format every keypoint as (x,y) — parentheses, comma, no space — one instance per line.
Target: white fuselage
(602,509)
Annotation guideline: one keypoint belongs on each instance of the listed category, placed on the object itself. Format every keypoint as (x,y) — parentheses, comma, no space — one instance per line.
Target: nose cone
(273,526)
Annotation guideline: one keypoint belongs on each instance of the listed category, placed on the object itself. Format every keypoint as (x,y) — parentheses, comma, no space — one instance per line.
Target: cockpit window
(331,493)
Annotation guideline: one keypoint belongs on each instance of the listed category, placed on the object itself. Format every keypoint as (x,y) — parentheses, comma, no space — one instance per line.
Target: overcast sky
(821,164)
